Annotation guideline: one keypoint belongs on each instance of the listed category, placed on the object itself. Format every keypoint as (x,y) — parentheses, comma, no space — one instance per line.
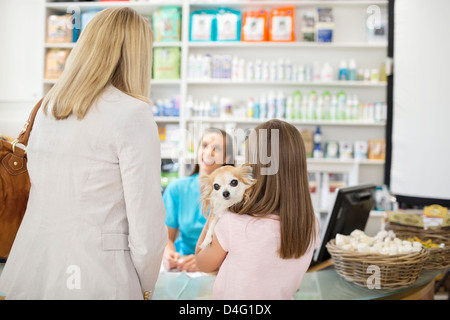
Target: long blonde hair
(115,48)
(284,192)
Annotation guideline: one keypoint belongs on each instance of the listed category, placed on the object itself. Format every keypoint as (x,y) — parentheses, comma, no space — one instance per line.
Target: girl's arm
(209,259)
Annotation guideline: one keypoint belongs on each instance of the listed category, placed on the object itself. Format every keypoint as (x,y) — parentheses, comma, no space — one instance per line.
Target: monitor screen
(350,211)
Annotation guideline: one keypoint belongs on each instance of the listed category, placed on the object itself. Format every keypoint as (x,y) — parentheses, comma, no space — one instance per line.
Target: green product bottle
(297,105)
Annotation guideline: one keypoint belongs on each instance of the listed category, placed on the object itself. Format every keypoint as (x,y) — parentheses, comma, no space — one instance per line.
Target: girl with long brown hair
(264,246)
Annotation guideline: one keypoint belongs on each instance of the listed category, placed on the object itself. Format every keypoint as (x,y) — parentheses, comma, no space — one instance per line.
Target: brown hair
(228,147)
(284,192)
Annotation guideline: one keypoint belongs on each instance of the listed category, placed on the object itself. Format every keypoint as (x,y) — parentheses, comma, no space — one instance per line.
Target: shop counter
(318,285)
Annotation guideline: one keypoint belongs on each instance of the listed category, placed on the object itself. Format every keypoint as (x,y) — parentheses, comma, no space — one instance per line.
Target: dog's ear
(205,192)
(246,174)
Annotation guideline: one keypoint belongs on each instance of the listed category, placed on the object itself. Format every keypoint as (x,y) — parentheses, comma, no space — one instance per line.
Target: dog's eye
(216,186)
(234,183)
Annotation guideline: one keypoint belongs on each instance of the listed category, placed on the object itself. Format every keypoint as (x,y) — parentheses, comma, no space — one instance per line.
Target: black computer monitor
(350,211)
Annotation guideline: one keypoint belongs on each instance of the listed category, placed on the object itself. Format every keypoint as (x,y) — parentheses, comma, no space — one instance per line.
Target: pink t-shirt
(252,268)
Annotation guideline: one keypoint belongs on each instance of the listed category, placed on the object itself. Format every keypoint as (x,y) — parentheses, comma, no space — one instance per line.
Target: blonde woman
(265,246)
(94,226)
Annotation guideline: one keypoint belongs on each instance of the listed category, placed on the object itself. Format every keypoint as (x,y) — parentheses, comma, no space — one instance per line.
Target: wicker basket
(396,271)
(439,258)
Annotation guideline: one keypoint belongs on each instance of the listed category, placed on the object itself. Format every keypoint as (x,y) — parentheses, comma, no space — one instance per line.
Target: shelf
(296,44)
(153,81)
(110,4)
(72,44)
(290,83)
(295,3)
(167,119)
(294,122)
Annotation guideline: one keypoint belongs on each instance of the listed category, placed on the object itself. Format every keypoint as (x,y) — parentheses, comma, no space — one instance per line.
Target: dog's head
(225,187)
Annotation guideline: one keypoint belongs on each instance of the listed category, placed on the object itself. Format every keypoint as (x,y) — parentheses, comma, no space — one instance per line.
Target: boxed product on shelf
(203,25)
(331,150)
(228,25)
(55,61)
(59,29)
(308,139)
(345,150)
(308,26)
(87,16)
(166,63)
(361,149)
(281,24)
(254,26)
(325,24)
(377,149)
(167,24)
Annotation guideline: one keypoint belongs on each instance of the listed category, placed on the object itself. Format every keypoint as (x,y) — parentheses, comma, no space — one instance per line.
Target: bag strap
(25,133)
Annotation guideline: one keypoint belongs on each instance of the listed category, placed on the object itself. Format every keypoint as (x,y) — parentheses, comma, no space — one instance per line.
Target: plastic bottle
(318,114)
(312,102)
(263,107)
(316,71)
(280,105)
(301,73)
(189,107)
(265,76)
(241,69)
(280,69)
(258,70)
(297,101)
(249,72)
(348,109)
(304,109)
(206,67)
(273,71)
(271,105)
(317,152)
(308,72)
(341,100)
(191,66)
(327,73)
(256,109)
(326,105)
(215,107)
(198,66)
(355,108)
(352,70)
(289,108)
(343,71)
(235,69)
(333,108)
(250,104)
(288,71)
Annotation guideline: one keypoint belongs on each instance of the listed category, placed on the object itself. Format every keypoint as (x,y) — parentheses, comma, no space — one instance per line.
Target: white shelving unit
(349,42)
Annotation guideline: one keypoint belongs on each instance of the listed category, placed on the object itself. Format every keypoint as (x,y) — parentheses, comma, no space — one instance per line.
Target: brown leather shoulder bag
(14,185)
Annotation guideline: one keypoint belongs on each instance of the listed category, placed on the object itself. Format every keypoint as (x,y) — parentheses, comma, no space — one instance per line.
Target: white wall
(21,61)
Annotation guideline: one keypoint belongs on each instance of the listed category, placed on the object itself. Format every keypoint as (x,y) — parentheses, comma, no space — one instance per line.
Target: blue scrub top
(183,212)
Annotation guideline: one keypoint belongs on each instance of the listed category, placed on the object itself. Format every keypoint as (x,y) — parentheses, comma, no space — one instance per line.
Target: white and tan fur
(223,188)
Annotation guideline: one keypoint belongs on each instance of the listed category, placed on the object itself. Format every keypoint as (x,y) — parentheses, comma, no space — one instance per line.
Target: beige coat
(94,226)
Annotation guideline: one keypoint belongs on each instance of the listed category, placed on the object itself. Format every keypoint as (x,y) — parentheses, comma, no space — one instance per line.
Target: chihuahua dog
(223,188)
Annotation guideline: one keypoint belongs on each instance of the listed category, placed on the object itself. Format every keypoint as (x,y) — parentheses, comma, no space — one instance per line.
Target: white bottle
(241,69)
(280,70)
(189,107)
(280,105)
(249,71)
(327,73)
(191,66)
(289,108)
(288,71)
(265,71)
(355,108)
(319,109)
(301,73)
(198,66)
(316,71)
(271,105)
(263,106)
(273,70)
(235,69)
(258,70)
(206,67)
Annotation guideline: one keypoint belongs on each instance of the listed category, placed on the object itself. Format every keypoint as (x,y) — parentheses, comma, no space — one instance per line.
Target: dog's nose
(226,194)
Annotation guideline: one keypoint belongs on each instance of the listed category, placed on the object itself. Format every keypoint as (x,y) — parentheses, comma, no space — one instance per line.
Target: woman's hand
(170,259)
(187,263)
